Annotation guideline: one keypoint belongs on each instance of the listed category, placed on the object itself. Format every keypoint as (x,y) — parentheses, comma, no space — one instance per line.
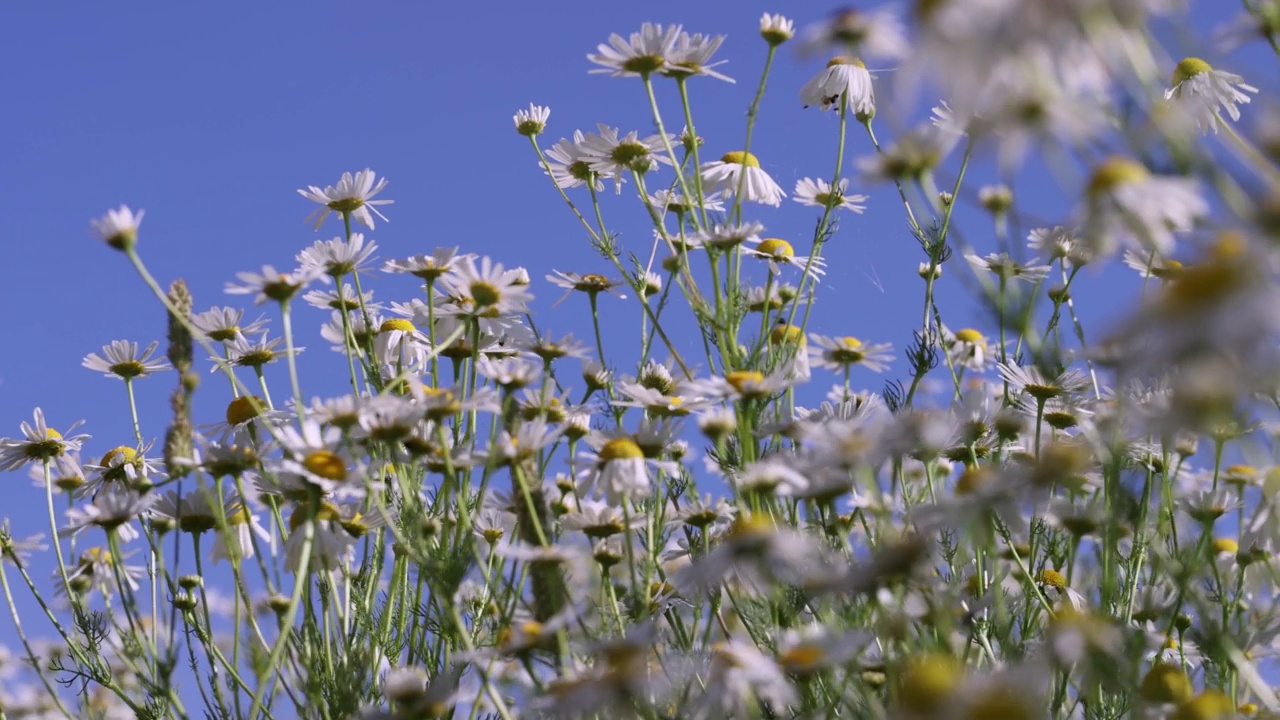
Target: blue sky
(210,117)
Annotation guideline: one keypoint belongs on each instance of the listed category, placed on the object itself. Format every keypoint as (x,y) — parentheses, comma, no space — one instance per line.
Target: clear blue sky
(210,116)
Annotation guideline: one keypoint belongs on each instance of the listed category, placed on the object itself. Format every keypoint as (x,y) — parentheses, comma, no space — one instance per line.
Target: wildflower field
(696,506)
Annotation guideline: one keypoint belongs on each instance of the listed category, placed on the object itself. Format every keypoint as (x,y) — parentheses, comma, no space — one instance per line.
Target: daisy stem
(22,636)
(682,84)
(666,144)
(262,385)
(286,319)
(301,579)
(820,233)
(53,528)
(595,324)
(133,412)
(902,193)
(753,112)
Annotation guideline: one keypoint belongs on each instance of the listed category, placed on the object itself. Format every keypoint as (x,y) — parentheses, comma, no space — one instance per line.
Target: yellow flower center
(974,479)
(52,434)
(243,409)
(786,333)
(802,658)
(1189,68)
(845,60)
(1053,579)
(1165,683)
(738,157)
(1211,704)
(1225,545)
(326,512)
(776,247)
(742,380)
(396,324)
(326,464)
(1114,172)
(1001,702)
(971,336)
(927,681)
(122,455)
(620,449)
(485,294)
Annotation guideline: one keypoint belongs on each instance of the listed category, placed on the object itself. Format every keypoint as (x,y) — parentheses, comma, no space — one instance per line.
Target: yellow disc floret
(739,157)
(1189,68)
(623,448)
(326,464)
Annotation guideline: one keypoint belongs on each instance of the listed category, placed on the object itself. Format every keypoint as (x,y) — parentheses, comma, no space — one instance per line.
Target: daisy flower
(40,443)
(568,167)
(112,510)
(819,193)
(15,551)
(845,81)
(222,324)
(737,676)
(874,33)
(776,29)
(203,511)
(314,458)
(270,285)
(336,257)
(741,169)
(119,228)
(487,289)
(591,284)
(910,156)
(1124,202)
(841,353)
(727,237)
(1153,265)
(427,267)
(1203,92)
(352,196)
(1006,268)
(611,156)
(343,299)
(779,252)
(1059,243)
(532,121)
(673,202)
(332,546)
(120,359)
(616,467)
(641,55)
(967,348)
(253,354)
(691,54)
(96,570)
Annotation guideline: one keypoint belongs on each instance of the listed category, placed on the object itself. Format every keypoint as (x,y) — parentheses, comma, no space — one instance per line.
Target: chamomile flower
(245,353)
(839,354)
(737,677)
(779,252)
(616,467)
(532,121)
(739,385)
(967,348)
(776,28)
(336,257)
(202,510)
(270,285)
(1034,382)
(112,510)
(609,155)
(343,299)
(1126,205)
(567,164)
(874,33)
(96,570)
(40,443)
(727,237)
(740,169)
(352,196)
(487,289)
(691,55)
(331,545)
(426,267)
(119,228)
(819,193)
(640,55)
(1153,265)
(224,324)
(315,458)
(1006,268)
(591,284)
(121,360)
(673,202)
(845,81)
(1202,92)
(910,156)
(1059,243)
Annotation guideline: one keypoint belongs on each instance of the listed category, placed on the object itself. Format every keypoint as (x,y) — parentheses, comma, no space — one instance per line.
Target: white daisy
(844,81)
(910,156)
(612,156)
(568,167)
(727,237)
(39,443)
(532,121)
(1203,92)
(270,285)
(1126,204)
(1006,268)
(742,169)
(641,55)
(121,360)
(841,353)
(776,29)
(1153,265)
(487,290)
(336,257)
(1059,243)
(222,324)
(779,252)
(874,33)
(967,348)
(119,228)
(427,267)
(819,193)
(343,299)
(198,512)
(690,55)
(590,283)
(353,195)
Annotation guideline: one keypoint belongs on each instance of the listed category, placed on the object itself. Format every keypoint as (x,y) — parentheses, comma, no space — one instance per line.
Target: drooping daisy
(779,252)
(1202,92)
(223,324)
(641,55)
(353,196)
(967,348)
(532,121)
(1126,205)
(841,353)
(337,257)
(845,81)
(121,360)
(616,467)
(819,193)
(119,228)
(39,443)
(1153,265)
(332,546)
(738,169)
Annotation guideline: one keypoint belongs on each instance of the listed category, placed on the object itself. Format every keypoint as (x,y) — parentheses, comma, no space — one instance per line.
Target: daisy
(590,284)
(248,415)
(568,166)
(120,359)
(1059,243)
(812,648)
(202,511)
(738,169)
(598,520)
(550,349)
(509,373)
(15,551)
(819,193)
(343,299)
(779,252)
(112,510)
(673,202)
(1202,92)
(353,196)
(643,54)
(874,33)
(690,55)
(65,472)
(1125,203)
(332,546)
(222,324)
(119,228)
(96,570)
(488,289)
(1006,268)
(315,458)
(532,121)
(967,348)
(120,468)
(254,354)
(616,467)
(841,353)
(40,443)
(737,675)
(611,156)
(1152,265)
(336,257)
(845,81)
(776,29)
(427,267)
(746,385)
(270,285)
(1032,381)
(727,237)
(910,156)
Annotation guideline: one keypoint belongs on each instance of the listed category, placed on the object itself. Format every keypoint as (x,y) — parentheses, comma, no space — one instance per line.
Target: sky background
(210,117)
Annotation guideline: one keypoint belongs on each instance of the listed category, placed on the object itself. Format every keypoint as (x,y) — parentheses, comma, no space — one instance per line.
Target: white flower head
(1126,204)
(640,55)
(845,81)
(776,28)
(121,360)
(119,228)
(1203,92)
(352,196)
(740,171)
(532,121)
(819,193)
